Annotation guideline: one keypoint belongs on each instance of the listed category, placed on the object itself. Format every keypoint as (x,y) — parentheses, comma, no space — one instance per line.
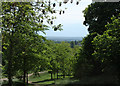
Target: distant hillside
(65,38)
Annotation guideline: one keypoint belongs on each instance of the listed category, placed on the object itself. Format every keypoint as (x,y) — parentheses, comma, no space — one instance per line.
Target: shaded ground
(17,83)
(45,80)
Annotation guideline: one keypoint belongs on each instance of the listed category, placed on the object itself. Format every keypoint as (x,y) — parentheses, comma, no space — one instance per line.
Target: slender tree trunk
(9,68)
(24,77)
(24,70)
(9,73)
(63,74)
(10,80)
(54,76)
(51,76)
(10,54)
(57,74)
(27,78)
(10,62)
(63,69)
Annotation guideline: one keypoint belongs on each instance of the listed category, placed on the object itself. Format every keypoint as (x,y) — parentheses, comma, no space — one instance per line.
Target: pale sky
(72,20)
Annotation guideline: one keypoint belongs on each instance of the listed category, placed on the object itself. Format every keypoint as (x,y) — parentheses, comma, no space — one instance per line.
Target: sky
(72,20)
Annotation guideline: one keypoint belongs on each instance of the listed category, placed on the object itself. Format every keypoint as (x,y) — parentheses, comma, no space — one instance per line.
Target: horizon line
(63,36)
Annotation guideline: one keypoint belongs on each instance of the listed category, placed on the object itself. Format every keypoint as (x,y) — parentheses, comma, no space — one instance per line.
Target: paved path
(3,79)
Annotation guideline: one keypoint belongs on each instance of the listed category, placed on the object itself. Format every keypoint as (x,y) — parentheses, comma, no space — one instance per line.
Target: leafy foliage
(99,53)
(22,21)
(97,15)
(107,46)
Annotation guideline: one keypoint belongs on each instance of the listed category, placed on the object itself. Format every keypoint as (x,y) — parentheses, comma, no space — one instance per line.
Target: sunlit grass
(45,78)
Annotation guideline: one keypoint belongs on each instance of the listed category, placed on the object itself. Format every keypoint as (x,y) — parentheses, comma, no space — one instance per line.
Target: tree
(107,46)
(60,58)
(97,15)
(86,63)
(64,55)
(99,50)
(0,55)
(21,24)
(72,44)
(81,65)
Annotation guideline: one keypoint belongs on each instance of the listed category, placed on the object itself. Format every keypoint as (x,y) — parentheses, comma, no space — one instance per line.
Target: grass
(16,82)
(99,79)
(0,81)
(45,79)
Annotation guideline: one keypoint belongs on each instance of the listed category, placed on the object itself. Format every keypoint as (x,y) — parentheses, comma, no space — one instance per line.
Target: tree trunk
(9,78)
(57,74)
(24,77)
(51,76)
(64,74)
(24,70)
(9,71)
(27,78)
(54,76)
(10,55)
(10,63)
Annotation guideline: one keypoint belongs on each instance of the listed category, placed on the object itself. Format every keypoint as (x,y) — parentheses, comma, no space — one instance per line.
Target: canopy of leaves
(107,46)
(21,22)
(98,14)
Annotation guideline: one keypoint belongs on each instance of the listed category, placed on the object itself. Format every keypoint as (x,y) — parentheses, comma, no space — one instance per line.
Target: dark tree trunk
(9,71)
(24,70)
(54,76)
(24,77)
(27,78)
(57,74)
(9,78)
(10,63)
(64,74)
(10,54)
(51,76)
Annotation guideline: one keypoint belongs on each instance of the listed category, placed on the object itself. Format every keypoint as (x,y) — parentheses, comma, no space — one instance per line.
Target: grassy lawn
(0,83)
(45,79)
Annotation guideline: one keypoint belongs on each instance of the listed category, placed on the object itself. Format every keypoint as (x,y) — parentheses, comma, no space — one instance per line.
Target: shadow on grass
(46,80)
(74,84)
(14,84)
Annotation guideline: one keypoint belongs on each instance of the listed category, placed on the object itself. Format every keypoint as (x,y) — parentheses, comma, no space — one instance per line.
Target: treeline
(72,43)
(60,58)
(56,58)
(100,50)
